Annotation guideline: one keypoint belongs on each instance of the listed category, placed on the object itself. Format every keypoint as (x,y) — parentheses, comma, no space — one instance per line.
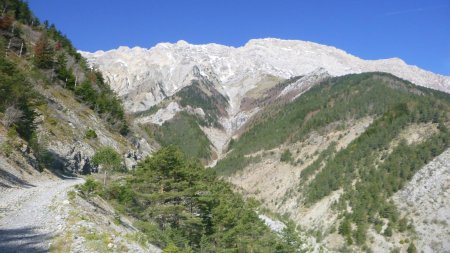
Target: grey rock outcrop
(29,156)
(426,199)
(79,163)
(75,158)
(131,159)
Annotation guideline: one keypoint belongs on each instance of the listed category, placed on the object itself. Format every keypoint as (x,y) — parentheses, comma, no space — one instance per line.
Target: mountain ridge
(145,78)
(248,77)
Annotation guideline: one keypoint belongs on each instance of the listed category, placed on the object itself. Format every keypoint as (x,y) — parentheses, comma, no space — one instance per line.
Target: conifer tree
(43,53)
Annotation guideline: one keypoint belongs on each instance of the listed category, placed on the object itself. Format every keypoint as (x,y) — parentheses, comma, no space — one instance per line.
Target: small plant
(89,187)
(6,149)
(286,156)
(71,195)
(12,133)
(333,230)
(412,248)
(90,134)
(388,231)
(171,248)
(52,121)
(378,228)
(117,219)
(395,250)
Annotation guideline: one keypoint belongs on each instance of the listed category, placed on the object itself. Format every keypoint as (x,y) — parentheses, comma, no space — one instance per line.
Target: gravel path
(31,216)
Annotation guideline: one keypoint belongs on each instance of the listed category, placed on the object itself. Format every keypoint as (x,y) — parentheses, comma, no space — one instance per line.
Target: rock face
(74,158)
(144,77)
(62,129)
(274,225)
(426,200)
(304,83)
(14,43)
(29,156)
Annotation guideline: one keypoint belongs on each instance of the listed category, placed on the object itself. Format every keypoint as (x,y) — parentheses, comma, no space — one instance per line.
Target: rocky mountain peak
(144,77)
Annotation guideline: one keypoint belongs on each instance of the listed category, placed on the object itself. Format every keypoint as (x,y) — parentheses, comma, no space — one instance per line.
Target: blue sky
(418,31)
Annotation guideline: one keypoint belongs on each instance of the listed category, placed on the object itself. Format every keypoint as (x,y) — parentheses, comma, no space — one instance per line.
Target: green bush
(71,195)
(388,231)
(286,156)
(345,228)
(6,148)
(411,248)
(89,187)
(90,134)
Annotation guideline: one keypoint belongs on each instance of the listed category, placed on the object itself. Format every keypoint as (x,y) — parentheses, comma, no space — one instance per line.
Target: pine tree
(61,67)
(43,53)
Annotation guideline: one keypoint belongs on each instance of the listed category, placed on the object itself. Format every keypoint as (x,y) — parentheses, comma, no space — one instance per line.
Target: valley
(273,146)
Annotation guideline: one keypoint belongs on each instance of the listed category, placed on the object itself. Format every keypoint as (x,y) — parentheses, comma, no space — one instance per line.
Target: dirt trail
(28,216)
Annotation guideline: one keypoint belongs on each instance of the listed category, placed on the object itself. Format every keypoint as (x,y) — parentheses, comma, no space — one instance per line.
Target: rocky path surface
(30,217)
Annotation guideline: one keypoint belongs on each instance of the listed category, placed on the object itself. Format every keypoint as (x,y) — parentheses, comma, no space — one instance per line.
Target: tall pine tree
(43,53)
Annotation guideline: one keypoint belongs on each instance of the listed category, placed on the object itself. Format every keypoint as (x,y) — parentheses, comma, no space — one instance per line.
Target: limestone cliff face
(144,77)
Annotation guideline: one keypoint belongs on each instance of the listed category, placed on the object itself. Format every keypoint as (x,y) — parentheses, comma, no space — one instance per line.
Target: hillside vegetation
(184,129)
(49,56)
(372,167)
(184,132)
(181,206)
(57,112)
(202,94)
(46,90)
(338,99)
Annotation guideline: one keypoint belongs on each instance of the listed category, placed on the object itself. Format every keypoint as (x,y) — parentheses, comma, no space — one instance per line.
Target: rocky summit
(144,77)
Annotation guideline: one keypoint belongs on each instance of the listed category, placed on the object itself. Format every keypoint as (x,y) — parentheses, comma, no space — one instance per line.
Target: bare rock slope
(426,200)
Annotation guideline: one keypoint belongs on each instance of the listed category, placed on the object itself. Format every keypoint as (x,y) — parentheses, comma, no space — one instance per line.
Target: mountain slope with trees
(325,155)
(179,204)
(368,170)
(60,116)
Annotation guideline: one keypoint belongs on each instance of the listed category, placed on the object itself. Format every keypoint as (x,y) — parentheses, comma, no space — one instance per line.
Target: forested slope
(378,162)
